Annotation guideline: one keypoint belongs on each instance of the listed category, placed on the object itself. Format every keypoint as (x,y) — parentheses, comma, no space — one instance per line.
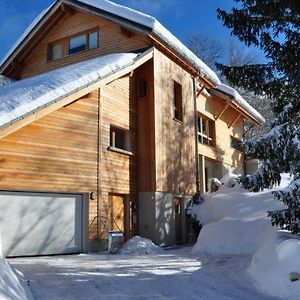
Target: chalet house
(110,123)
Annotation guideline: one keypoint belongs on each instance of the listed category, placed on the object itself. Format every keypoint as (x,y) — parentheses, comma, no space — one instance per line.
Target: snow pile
(140,246)
(12,284)
(23,97)
(273,264)
(235,222)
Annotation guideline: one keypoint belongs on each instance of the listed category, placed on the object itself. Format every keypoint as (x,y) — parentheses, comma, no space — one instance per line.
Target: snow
(240,101)
(139,18)
(235,222)
(172,274)
(23,97)
(12,283)
(140,246)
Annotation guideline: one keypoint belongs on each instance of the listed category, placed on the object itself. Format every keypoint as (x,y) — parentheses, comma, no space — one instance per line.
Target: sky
(181,17)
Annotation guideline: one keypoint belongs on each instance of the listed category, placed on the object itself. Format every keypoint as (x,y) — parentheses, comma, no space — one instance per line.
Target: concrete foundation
(162,217)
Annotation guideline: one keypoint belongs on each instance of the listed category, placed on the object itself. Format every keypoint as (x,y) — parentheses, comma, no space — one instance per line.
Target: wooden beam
(234,121)
(18,124)
(222,112)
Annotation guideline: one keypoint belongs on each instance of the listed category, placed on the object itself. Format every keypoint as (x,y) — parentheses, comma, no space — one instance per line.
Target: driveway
(174,274)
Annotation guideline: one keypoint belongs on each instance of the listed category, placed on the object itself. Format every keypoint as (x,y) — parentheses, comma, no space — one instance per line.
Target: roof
(24,97)
(146,23)
(236,98)
(5,80)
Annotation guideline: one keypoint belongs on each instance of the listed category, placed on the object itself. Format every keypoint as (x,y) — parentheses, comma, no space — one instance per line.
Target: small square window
(178,111)
(119,138)
(77,44)
(236,144)
(55,52)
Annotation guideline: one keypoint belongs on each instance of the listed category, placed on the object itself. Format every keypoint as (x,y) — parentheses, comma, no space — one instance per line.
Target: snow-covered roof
(149,23)
(5,80)
(238,99)
(26,96)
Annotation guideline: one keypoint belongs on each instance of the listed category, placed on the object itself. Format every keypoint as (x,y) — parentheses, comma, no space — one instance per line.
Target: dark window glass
(118,138)
(77,44)
(178,111)
(55,52)
(143,89)
(236,144)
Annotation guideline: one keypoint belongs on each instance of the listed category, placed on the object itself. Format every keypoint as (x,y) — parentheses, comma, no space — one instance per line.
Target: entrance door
(178,220)
(117,213)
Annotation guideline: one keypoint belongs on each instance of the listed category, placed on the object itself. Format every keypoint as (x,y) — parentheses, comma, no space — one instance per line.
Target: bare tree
(208,49)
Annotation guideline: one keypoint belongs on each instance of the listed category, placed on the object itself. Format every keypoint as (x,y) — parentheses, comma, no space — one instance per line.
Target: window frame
(177,101)
(65,42)
(239,143)
(210,126)
(126,147)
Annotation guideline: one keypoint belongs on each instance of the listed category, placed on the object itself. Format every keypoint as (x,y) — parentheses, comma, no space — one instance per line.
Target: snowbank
(235,222)
(140,246)
(272,265)
(12,283)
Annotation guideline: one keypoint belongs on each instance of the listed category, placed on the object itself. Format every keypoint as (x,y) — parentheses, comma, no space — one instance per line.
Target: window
(83,42)
(143,89)
(55,51)
(178,114)
(119,138)
(236,144)
(206,131)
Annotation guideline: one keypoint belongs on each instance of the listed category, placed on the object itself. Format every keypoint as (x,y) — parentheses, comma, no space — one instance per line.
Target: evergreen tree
(274,27)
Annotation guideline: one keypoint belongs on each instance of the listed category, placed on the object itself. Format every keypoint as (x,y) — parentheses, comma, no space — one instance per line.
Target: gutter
(196,137)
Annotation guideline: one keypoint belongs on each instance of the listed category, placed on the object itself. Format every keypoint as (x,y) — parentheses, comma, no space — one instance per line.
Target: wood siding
(174,140)
(146,131)
(111,40)
(118,171)
(57,153)
(223,152)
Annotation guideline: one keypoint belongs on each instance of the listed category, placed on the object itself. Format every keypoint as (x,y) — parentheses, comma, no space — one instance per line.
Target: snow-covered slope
(235,222)
(23,97)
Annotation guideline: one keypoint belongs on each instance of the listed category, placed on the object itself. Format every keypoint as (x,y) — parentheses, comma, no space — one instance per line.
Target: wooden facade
(70,149)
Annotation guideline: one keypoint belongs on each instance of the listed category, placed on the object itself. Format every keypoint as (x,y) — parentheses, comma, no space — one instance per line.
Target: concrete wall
(157,217)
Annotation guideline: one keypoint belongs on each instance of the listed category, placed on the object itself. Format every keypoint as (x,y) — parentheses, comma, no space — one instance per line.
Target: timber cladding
(174,139)
(112,39)
(223,152)
(57,153)
(118,171)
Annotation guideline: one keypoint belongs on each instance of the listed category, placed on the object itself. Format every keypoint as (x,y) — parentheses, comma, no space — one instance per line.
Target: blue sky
(179,16)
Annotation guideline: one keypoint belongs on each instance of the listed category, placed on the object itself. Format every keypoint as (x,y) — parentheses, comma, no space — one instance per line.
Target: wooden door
(117,213)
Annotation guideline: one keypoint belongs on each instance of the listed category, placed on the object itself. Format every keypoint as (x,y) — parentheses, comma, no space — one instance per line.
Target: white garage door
(41,223)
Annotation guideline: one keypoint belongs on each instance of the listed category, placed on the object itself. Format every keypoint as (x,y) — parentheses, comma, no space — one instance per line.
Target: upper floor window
(142,87)
(119,138)
(178,110)
(55,51)
(236,144)
(206,130)
(76,44)
(83,42)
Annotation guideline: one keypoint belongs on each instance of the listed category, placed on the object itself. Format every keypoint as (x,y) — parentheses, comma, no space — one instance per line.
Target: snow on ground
(172,274)
(12,283)
(236,223)
(140,246)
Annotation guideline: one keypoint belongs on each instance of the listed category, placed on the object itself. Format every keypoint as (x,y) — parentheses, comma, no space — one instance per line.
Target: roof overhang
(70,97)
(244,110)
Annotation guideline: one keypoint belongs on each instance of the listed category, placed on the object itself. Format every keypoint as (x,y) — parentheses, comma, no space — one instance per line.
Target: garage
(42,223)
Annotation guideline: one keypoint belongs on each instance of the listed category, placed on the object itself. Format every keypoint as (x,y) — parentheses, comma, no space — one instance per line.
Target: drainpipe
(196,137)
